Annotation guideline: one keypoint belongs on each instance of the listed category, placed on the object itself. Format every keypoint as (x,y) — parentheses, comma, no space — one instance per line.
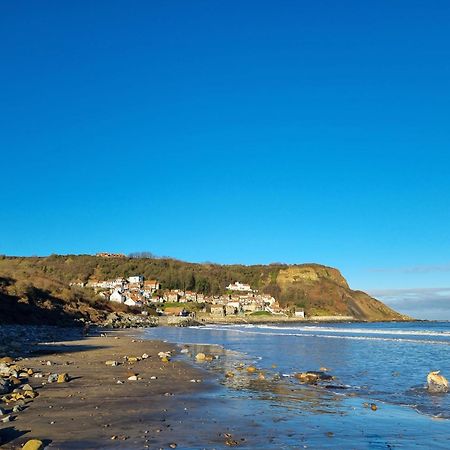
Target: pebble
(200,356)
(145,356)
(112,363)
(132,378)
(53,378)
(153,377)
(33,444)
(63,378)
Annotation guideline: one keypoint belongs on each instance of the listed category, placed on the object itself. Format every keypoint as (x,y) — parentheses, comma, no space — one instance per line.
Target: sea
(376,399)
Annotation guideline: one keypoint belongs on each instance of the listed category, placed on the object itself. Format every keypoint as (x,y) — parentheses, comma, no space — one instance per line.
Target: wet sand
(92,408)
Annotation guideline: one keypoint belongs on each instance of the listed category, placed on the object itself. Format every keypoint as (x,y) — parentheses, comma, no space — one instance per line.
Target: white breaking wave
(318,329)
(332,336)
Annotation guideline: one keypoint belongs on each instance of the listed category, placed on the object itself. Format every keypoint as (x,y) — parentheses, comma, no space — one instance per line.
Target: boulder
(63,378)
(200,356)
(5,386)
(312,377)
(52,378)
(33,444)
(6,360)
(112,363)
(436,382)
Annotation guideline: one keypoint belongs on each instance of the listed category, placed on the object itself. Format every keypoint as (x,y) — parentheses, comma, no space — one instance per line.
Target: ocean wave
(329,336)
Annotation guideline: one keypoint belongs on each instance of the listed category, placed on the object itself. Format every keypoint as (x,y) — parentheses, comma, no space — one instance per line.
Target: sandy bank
(92,407)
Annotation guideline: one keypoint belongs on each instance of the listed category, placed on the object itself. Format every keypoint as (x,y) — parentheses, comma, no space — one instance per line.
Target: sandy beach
(100,408)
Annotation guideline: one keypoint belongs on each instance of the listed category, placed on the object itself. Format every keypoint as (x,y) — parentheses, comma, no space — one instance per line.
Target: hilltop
(34,287)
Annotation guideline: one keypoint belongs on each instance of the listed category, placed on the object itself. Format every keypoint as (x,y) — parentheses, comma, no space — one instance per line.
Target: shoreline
(93,410)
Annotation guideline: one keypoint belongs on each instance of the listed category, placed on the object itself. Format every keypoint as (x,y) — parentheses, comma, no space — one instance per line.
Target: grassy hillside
(318,289)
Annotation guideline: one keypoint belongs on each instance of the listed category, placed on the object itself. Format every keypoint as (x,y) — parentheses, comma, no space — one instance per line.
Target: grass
(261,313)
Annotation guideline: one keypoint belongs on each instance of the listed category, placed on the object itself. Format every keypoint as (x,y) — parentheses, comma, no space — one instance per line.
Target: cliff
(40,284)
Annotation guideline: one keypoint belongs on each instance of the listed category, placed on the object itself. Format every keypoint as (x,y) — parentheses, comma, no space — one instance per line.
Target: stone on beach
(251,369)
(6,360)
(200,356)
(5,386)
(437,383)
(52,378)
(63,378)
(312,377)
(33,444)
(112,363)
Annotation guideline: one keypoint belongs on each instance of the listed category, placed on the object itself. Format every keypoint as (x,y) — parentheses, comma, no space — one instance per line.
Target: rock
(33,444)
(1,412)
(173,445)
(145,356)
(27,387)
(7,360)
(229,374)
(165,359)
(49,363)
(153,377)
(132,378)
(437,383)
(7,419)
(200,356)
(52,378)
(15,381)
(5,386)
(312,377)
(133,359)
(184,350)
(373,407)
(63,378)
(30,394)
(112,363)
(17,409)
(251,369)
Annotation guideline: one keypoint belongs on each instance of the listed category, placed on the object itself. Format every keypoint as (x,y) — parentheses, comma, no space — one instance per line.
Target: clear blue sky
(238,131)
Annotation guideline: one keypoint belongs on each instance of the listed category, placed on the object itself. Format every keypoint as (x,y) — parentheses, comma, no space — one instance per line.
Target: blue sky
(248,132)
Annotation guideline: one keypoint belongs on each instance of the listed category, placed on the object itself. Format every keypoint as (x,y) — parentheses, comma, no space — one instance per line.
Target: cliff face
(322,290)
(45,283)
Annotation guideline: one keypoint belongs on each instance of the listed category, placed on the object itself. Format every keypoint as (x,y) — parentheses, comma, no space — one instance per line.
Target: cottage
(131,302)
(136,279)
(173,297)
(231,309)
(117,296)
(237,286)
(152,285)
(218,310)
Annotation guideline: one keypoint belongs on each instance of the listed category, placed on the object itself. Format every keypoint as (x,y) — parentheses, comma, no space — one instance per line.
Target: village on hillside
(136,291)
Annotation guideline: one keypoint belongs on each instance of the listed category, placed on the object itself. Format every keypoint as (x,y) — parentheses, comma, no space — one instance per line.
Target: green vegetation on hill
(318,289)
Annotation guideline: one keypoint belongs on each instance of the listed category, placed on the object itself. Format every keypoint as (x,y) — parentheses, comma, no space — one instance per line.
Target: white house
(117,297)
(237,286)
(131,302)
(136,279)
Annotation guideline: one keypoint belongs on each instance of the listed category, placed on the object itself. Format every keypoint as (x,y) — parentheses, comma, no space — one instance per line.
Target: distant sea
(384,364)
